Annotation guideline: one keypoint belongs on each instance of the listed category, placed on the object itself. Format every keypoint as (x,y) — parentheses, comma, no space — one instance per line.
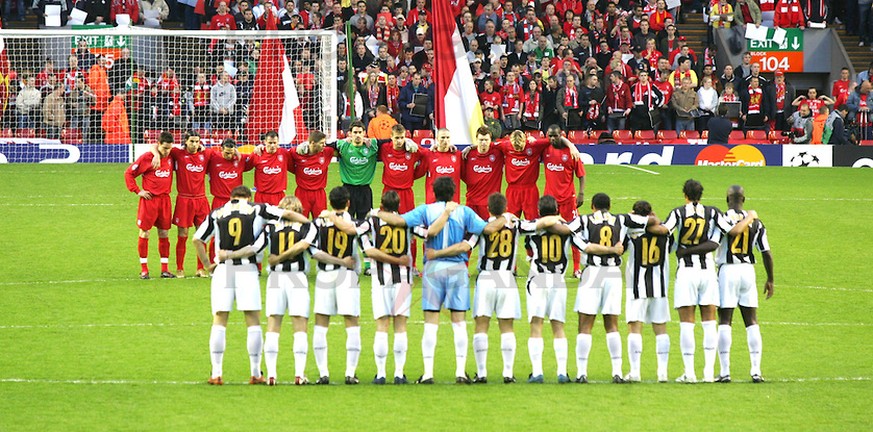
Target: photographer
(801,125)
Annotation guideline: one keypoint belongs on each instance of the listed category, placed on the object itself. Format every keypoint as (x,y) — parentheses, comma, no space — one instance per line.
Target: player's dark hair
(241,192)
(642,208)
(547,205)
(228,143)
(165,137)
(444,188)
(357,124)
(496,203)
(722,110)
(843,107)
(398,129)
(271,134)
(601,201)
(390,201)
(485,130)
(191,133)
(693,190)
(339,198)
(316,136)
(736,195)
(553,129)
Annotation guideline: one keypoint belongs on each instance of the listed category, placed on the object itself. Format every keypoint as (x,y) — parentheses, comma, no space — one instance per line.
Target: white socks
(535,349)
(380,352)
(613,344)
(725,340)
(507,348)
(710,349)
(460,331)
(400,348)
(480,352)
(319,347)
(255,343)
(686,345)
(634,352)
(583,348)
(428,347)
(753,336)
(216,348)
(662,347)
(271,352)
(560,346)
(301,348)
(353,349)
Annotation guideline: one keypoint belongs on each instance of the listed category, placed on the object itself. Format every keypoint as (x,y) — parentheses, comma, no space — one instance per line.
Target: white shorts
(337,293)
(496,295)
(599,291)
(287,291)
(647,310)
(546,297)
(736,283)
(238,282)
(391,300)
(695,287)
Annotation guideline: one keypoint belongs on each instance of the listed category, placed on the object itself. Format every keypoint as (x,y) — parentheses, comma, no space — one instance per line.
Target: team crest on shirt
(321,160)
(492,158)
(564,158)
(365,151)
(408,156)
(528,152)
(281,158)
(454,159)
(201,158)
(235,164)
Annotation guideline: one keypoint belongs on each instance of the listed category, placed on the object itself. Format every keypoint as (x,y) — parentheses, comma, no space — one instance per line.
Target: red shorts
(567,209)
(523,199)
(481,210)
(190,211)
(156,212)
(219,202)
(407,199)
(313,201)
(271,198)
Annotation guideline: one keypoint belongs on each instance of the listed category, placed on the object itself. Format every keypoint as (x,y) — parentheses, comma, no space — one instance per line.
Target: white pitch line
(641,169)
(814,324)
(862,290)
(59,282)
(58,205)
(16,380)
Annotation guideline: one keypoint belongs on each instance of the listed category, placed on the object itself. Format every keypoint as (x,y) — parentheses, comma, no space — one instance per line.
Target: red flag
(274,104)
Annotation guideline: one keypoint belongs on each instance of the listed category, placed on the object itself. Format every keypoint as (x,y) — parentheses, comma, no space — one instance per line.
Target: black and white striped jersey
(394,241)
(497,250)
(606,229)
(648,267)
(337,243)
(236,225)
(738,249)
(550,249)
(281,236)
(696,224)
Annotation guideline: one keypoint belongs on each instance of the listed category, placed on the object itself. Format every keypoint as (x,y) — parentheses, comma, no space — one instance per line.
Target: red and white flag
(274,104)
(457,103)
(4,77)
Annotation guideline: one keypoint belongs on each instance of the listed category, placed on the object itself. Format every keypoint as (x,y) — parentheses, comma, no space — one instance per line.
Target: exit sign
(793,42)
(772,56)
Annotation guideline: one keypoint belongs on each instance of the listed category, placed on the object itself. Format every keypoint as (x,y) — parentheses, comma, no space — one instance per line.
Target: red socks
(143,248)
(164,251)
(576,256)
(181,245)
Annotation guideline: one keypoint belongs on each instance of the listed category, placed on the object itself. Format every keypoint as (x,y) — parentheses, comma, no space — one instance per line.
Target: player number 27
(693,231)
(500,244)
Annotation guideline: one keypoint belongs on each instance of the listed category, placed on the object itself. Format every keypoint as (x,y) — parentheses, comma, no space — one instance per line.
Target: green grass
(73,310)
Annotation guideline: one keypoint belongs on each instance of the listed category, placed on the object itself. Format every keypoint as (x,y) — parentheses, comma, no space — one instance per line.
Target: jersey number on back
(234,228)
(394,239)
(285,241)
(740,245)
(606,236)
(650,251)
(500,244)
(337,242)
(693,231)
(551,248)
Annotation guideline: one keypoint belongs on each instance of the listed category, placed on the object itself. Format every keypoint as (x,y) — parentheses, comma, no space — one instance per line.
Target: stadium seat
(866,143)
(645,136)
(26,133)
(150,136)
(536,134)
(409,133)
(7,133)
(704,134)
(757,135)
(422,133)
(71,136)
(595,134)
(221,135)
(776,137)
(736,135)
(623,136)
(576,136)
(689,134)
(667,135)
(340,134)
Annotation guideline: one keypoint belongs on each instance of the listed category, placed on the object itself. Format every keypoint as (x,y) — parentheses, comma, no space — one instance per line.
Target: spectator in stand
(49,86)
(115,123)
(658,19)
(98,11)
(199,105)
(593,95)
(569,105)
(84,56)
(801,124)
(754,106)
(222,101)
(841,88)
(532,105)
(248,21)
(618,102)
(420,10)
(513,92)
(19,6)
(124,7)
(362,58)
(670,41)
(720,127)
(685,101)
(744,69)
(643,34)
(222,20)
(747,12)
(837,125)
(647,98)
(53,113)
(81,98)
(721,15)
(48,70)
(99,83)
(525,28)
(728,77)
(190,18)
(73,71)
(816,13)
(707,99)
(27,103)
(664,117)
(684,71)
(121,71)
(682,49)
(866,75)
(860,102)
(241,7)
(372,96)
(789,14)
(781,93)
(490,97)
(865,22)
(260,9)
(411,121)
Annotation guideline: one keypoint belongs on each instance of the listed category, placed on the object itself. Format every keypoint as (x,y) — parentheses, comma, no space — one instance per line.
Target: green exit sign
(793,42)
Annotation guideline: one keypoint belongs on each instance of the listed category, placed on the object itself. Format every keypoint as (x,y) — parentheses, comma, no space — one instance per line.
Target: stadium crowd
(587,66)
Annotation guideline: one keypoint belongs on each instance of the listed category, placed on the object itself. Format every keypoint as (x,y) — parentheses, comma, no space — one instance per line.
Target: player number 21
(740,245)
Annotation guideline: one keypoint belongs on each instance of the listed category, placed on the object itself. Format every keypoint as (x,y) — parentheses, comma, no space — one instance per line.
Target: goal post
(82,85)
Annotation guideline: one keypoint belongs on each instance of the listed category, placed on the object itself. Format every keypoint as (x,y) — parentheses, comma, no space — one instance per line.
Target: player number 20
(551,247)
(395,239)
(500,244)
(337,242)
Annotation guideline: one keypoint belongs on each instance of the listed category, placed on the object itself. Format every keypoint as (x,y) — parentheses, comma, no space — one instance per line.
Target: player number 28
(500,244)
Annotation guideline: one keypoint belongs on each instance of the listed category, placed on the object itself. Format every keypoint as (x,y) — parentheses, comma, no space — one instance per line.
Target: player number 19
(337,242)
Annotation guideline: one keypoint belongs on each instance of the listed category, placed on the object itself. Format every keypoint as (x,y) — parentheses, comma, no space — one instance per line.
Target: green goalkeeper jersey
(357,163)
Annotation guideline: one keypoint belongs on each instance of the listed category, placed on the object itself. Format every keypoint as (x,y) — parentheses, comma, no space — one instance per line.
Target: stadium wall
(48,151)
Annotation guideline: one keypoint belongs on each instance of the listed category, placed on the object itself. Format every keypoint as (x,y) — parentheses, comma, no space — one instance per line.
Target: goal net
(126,85)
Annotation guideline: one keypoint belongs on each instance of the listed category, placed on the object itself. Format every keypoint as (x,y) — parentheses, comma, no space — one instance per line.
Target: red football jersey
(190,172)
(157,181)
(438,164)
(561,171)
(399,171)
(271,171)
(523,168)
(840,92)
(311,170)
(483,174)
(224,175)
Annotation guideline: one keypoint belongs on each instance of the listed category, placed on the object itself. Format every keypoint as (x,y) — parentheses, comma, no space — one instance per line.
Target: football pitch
(86,345)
